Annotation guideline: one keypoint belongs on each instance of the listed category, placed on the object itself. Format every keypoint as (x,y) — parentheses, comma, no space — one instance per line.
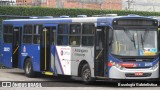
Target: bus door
(47,47)
(16,44)
(101,50)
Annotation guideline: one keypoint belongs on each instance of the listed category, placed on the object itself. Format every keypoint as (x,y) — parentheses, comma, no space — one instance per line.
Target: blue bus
(118,47)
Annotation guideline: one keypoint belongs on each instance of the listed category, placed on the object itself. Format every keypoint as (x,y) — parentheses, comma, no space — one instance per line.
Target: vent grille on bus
(133,75)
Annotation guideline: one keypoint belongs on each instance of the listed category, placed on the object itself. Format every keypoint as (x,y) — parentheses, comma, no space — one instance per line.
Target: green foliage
(41,11)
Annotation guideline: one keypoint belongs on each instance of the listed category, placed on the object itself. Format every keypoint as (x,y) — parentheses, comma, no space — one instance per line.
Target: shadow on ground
(66,81)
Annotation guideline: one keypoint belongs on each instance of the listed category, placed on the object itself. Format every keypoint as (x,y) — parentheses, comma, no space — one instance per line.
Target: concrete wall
(141,5)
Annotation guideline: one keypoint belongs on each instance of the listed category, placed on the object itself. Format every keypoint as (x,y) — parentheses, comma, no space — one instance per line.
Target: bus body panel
(121,74)
(66,59)
(149,69)
(53,69)
(70,57)
(32,51)
(7,55)
(36,21)
(63,60)
(79,54)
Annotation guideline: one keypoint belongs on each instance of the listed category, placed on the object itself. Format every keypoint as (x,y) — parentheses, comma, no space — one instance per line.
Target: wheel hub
(87,74)
(28,68)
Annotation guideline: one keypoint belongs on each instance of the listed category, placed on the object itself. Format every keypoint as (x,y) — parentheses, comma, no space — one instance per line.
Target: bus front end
(134,49)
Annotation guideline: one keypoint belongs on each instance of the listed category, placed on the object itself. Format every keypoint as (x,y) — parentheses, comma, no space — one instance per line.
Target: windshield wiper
(142,41)
(134,43)
(131,38)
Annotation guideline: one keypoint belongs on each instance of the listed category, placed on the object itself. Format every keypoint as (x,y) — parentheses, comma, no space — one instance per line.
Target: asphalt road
(50,82)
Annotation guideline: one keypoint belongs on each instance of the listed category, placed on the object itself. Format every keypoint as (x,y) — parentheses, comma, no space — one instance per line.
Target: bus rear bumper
(147,73)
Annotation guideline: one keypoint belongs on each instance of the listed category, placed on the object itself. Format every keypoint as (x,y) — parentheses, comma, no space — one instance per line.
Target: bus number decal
(6,49)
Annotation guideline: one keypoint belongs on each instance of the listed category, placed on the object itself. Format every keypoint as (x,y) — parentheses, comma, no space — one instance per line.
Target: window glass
(88,29)
(27,29)
(74,40)
(53,35)
(37,29)
(88,34)
(62,40)
(87,40)
(7,33)
(36,39)
(27,39)
(8,29)
(63,29)
(36,33)
(7,38)
(75,28)
(62,34)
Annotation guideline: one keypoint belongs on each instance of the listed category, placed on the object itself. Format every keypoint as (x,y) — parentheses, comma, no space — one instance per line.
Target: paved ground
(61,83)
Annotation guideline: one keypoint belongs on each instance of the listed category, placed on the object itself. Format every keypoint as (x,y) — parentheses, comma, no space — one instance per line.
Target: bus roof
(106,20)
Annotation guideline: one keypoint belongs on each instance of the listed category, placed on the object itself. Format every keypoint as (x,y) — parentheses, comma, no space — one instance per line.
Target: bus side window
(7,33)
(36,33)
(88,34)
(62,34)
(74,40)
(27,37)
(75,33)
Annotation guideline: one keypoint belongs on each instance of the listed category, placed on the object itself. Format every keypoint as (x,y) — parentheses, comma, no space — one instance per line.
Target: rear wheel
(86,74)
(28,68)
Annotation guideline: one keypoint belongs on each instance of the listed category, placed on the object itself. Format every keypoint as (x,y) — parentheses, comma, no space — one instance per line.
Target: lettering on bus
(6,49)
(64,51)
(79,54)
(24,54)
(149,64)
(80,50)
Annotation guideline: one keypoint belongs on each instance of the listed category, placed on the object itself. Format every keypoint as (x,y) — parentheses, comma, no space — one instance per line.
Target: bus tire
(86,74)
(28,68)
